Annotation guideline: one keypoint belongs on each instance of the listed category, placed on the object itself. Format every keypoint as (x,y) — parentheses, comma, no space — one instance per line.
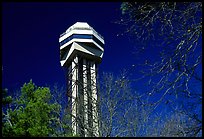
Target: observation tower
(81,50)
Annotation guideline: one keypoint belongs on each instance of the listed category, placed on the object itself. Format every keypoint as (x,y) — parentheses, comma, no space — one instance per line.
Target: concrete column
(94,100)
(85,97)
(74,93)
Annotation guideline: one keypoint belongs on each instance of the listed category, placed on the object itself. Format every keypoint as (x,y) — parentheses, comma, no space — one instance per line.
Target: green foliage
(34,114)
(6,99)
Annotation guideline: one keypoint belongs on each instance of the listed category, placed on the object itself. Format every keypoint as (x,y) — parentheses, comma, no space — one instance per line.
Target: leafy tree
(59,96)
(32,114)
(5,98)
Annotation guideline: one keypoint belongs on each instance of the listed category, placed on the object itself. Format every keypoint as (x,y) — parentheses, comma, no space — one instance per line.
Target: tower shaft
(82,76)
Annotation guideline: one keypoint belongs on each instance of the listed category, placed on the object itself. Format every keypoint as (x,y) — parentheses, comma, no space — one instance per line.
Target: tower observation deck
(81,50)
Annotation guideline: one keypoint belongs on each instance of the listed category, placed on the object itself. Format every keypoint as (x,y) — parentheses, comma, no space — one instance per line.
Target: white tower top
(80,38)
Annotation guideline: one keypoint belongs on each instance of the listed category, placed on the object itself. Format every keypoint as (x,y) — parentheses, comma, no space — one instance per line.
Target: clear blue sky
(30,47)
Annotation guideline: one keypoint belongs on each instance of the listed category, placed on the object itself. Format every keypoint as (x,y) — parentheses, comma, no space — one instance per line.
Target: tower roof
(78,25)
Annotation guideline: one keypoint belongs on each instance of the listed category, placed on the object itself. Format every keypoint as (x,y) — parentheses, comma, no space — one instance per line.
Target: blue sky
(30,47)
(30,33)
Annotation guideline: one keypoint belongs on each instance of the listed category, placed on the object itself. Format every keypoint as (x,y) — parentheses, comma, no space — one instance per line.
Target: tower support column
(94,100)
(74,93)
(85,97)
